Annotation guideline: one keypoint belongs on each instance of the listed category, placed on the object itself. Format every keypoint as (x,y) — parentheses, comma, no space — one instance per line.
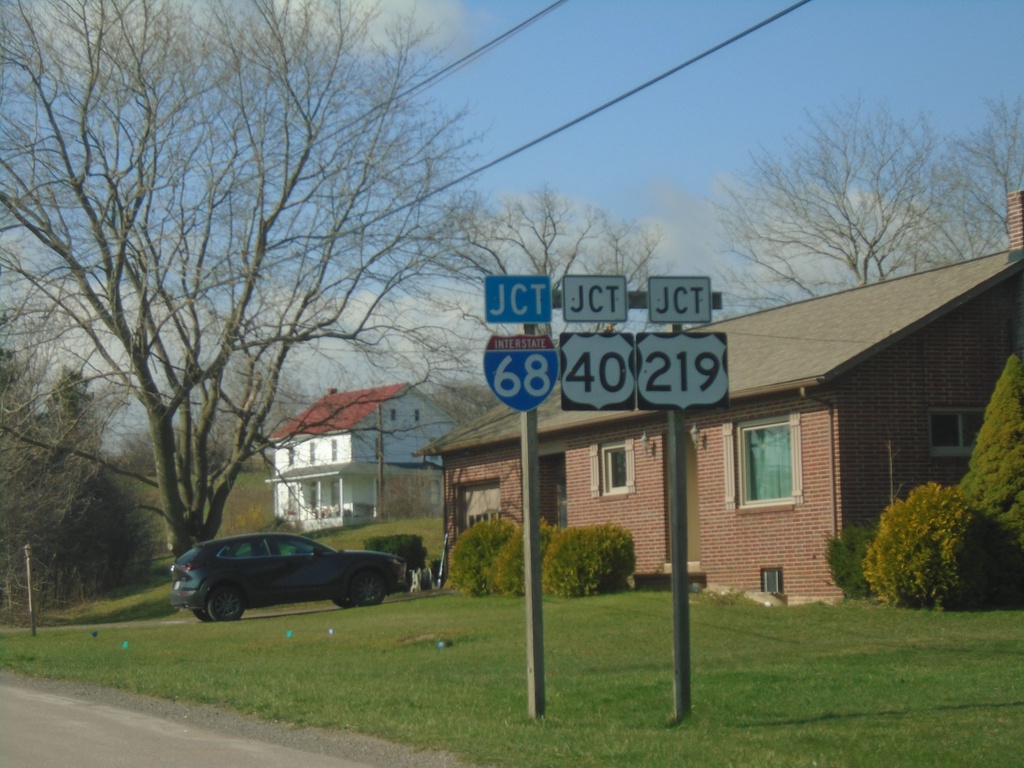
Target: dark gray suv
(218,580)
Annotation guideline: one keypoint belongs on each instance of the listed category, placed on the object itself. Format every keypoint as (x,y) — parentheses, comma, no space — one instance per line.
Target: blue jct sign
(521,370)
(517,298)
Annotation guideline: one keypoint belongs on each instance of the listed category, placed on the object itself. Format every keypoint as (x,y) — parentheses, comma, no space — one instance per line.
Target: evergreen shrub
(405,545)
(845,554)
(929,551)
(474,554)
(994,482)
(509,566)
(589,560)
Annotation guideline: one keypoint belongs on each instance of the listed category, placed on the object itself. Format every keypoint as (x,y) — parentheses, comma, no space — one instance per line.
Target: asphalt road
(54,724)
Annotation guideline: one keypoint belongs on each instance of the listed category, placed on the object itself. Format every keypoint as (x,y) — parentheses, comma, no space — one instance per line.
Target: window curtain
(769,463)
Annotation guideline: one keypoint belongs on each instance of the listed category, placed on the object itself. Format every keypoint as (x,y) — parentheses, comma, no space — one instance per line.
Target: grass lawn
(849,685)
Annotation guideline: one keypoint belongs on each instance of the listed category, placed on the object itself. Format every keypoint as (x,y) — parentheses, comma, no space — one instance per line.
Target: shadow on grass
(826,717)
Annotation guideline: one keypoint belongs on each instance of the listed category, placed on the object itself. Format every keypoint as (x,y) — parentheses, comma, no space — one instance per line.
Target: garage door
(478,502)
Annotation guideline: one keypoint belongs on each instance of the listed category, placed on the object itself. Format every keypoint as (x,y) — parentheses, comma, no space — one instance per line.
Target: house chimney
(1015,219)
(332,391)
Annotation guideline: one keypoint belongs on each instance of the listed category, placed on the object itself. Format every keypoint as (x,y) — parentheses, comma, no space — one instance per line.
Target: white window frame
(601,458)
(792,422)
(953,450)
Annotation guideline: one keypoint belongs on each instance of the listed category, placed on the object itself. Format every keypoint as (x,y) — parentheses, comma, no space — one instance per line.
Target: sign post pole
(521,372)
(530,462)
(675,456)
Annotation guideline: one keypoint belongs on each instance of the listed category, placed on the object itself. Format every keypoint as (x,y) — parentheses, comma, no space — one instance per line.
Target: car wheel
(225,604)
(367,588)
(201,614)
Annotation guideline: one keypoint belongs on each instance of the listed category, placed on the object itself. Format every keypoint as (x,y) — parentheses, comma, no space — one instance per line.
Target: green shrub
(845,554)
(929,551)
(474,554)
(994,482)
(509,569)
(589,560)
(407,545)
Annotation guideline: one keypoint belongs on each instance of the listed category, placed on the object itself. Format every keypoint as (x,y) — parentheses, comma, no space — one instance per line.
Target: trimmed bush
(929,552)
(509,566)
(845,554)
(474,555)
(407,545)
(589,560)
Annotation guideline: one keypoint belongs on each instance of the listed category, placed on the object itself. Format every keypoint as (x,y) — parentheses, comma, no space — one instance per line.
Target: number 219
(705,363)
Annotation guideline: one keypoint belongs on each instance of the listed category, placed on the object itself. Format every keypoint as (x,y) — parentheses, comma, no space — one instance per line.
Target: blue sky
(660,155)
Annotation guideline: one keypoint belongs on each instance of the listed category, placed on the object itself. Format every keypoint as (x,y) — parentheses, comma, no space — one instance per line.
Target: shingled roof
(804,344)
(338,411)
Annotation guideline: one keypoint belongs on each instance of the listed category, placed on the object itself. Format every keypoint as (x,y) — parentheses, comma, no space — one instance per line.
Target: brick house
(331,460)
(837,405)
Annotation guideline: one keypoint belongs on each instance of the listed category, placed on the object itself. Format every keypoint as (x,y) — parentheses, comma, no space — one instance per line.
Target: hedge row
(488,560)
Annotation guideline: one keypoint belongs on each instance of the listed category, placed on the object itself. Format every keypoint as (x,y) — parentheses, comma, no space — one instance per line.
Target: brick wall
(885,403)
(500,464)
(737,542)
(642,513)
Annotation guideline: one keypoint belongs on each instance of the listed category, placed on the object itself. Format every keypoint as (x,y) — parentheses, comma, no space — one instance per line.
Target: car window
(288,547)
(246,548)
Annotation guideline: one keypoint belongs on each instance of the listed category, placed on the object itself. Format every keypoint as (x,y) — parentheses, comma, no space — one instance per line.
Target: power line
(616,100)
(450,69)
(476,54)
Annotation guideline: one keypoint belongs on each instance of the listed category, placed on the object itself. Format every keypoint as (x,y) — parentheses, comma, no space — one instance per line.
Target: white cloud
(445,20)
(690,227)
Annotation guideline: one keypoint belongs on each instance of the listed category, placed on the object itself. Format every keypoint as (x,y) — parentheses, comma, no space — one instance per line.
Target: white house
(331,461)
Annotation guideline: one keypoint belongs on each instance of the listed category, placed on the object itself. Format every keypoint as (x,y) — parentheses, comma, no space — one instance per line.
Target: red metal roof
(338,411)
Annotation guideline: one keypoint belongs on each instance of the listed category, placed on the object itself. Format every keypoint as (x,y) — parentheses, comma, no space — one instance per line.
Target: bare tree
(975,177)
(848,204)
(207,192)
(544,233)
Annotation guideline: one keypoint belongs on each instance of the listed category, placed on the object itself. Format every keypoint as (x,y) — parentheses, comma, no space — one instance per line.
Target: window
(771,580)
(295,547)
(953,433)
(246,548)
(312,453)
(291,457)
(394,414)
(416,415)
(770,468)
(334,450)
(611,469)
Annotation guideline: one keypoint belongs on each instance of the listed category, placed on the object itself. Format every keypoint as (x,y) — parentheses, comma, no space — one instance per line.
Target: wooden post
(380,463)
(28,573)
(532,557)
(675,455)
